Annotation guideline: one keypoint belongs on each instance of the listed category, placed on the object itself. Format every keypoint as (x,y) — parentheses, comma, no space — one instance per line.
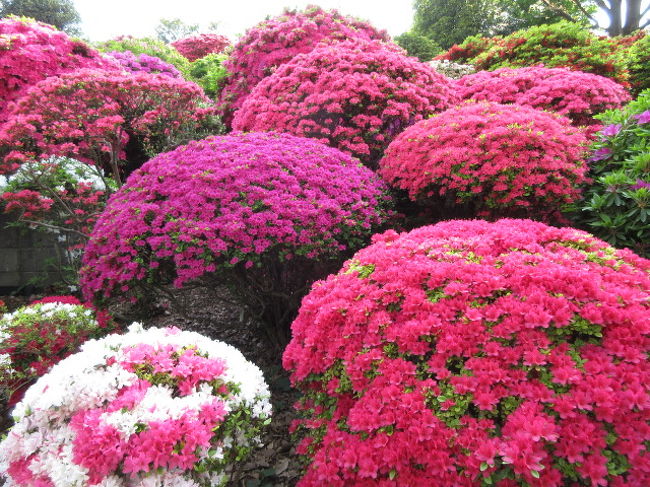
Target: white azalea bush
(150,408)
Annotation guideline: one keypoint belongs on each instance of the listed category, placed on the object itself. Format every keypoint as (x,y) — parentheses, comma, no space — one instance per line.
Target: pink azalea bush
(574,94)
(31,51)
(151,407)
(266,213)
(473,353)
(198,46)
(355,96)
(276,41)
(133,63)
(493,159)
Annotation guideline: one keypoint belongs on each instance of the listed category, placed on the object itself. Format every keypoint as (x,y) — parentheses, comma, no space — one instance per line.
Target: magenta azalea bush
(276,41)
(144,63)
(472,354)
(264,212)
(355,96)
(31,51)
(574,94)
(492,159)
(198,46)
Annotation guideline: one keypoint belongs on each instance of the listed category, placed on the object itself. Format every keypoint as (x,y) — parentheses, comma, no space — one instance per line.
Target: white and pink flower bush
(155,407)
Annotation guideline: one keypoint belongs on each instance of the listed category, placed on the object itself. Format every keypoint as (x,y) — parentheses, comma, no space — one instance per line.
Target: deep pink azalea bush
(104,118)
(574,94)
(31,51)
(266,213)
(144,63)
(471,353)
(198,46)
(276,41)
(492,159)
(355,96)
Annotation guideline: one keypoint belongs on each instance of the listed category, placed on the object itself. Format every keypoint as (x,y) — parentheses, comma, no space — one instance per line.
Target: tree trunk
(632,17)
(615,19)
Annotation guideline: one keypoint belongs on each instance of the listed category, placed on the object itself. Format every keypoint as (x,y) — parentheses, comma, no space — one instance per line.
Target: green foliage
(209,73)
(639,64)
(616,206)
(150,46)
(59,13)
(170,30)
(418,45)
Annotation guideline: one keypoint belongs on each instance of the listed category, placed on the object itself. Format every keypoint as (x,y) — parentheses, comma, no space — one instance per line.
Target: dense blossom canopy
(276,41)
(574,94)
(198,46)
(499,159)
(354,95)
(230,201)
(31,51)
(146,45)
(144,63)
(472,353)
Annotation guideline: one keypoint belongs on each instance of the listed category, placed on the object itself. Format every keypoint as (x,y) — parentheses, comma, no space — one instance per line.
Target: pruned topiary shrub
(490,160)
(150,407)
(472,353)
(275,41)
(35,337)
(198,46)
(574,94)
(355,96)
(143,63)
(265,213)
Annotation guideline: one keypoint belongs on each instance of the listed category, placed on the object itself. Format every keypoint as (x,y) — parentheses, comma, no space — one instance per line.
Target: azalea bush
(35,337)
(475,353)
(148,46)
(112,120)
(273,42)
(210,74)
(491,160)
(133,63)
(31,51)
(468,49)
(198,46)
(355,96)
(616,205)
(452,70)
(574,94)
(639,64)
(264,213)
(151,407)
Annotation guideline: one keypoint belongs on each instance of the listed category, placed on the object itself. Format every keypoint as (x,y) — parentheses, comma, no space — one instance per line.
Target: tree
(170,30)
(59,13)
(625,16)
(418,45)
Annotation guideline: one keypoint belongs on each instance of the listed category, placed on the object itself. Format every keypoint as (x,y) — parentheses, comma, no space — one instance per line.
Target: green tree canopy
(59,13)
(418,45)
(170,30)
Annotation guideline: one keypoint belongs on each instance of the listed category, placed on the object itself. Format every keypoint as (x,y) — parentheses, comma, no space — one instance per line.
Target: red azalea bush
(355,96)
(574,94)
(276,41)
(468,49)
(31,51)
(266,213)
(472,353)
(34,338)
(198,46)
(103,118)
(497,160)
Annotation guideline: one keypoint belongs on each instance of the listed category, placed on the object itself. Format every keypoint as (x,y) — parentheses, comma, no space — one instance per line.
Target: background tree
(170,30)
(59,13)
(625,16)
(417,45)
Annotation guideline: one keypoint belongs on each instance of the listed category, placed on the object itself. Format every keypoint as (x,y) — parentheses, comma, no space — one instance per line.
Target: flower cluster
(149,46)
(468,49)
(616,206)
(473,353)
(452,70)
(210,74)
(234,207)
(35,337)
(276,41)
(639,62)
(496,159)
(574,94)
(355,96)
(91,115)
(31,51)
(143,63)
(199,46)
(151,407)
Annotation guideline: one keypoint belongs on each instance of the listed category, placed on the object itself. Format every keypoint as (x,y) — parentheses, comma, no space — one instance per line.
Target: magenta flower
(640,184)
(643,117)
(611,130)
(601,154)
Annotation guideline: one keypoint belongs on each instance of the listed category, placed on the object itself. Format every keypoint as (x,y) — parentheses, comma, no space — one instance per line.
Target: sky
(103,20)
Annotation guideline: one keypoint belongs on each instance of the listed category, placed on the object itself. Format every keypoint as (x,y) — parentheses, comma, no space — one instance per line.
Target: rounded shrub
(616,205)
(210,74)
(31,51)
(35,337)
(451,69)
(198,46)
(148,46)
(265,213)
(276,41)
(355,96)
(143,63)
(475,353)
(574,94)
(491,159)
(468,49)
(419,46)
(639,64)
(151,407)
